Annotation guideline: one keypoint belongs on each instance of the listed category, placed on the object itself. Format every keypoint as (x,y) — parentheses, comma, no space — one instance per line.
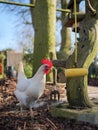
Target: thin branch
(51,123)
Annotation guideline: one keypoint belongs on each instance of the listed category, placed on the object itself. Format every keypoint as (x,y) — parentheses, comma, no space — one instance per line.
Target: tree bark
(77,93)
(44,21)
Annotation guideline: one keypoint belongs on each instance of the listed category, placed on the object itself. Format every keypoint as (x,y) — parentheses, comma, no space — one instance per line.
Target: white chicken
(28,91)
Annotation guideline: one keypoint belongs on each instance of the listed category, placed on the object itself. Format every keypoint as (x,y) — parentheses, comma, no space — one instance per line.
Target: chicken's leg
(21,110)
(31,112)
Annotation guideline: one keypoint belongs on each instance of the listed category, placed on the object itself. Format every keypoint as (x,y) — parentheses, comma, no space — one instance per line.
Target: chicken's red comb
(46,61)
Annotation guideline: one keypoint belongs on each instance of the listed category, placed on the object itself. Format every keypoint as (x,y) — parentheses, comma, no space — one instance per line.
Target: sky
(9,35)
(7,32)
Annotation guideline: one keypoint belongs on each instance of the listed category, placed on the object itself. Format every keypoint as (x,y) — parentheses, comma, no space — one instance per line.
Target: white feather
(29,90)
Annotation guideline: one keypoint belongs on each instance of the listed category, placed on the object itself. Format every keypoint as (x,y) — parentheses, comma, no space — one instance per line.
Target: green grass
(28,70)
(1,76)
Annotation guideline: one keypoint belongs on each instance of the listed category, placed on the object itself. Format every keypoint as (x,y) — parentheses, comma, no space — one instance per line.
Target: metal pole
(31,5)
(16,3)
(64,10)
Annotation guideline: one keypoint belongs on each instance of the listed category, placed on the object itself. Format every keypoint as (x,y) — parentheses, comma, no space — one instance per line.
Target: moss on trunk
(87,48)
(44,20)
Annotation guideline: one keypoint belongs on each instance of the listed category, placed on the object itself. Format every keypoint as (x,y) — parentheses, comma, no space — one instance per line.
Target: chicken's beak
(47,69)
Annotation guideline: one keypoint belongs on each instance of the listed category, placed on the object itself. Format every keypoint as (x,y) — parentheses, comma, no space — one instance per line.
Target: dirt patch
(11,118)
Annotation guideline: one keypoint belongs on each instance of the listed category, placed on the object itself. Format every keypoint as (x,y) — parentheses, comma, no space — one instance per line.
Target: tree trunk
(65,36)
(77,93)
(44,20)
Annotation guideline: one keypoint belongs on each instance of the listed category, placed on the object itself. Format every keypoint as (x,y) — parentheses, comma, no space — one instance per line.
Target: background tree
(65,49)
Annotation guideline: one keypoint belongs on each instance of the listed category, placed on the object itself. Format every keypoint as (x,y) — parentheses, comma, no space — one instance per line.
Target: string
(75,13)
